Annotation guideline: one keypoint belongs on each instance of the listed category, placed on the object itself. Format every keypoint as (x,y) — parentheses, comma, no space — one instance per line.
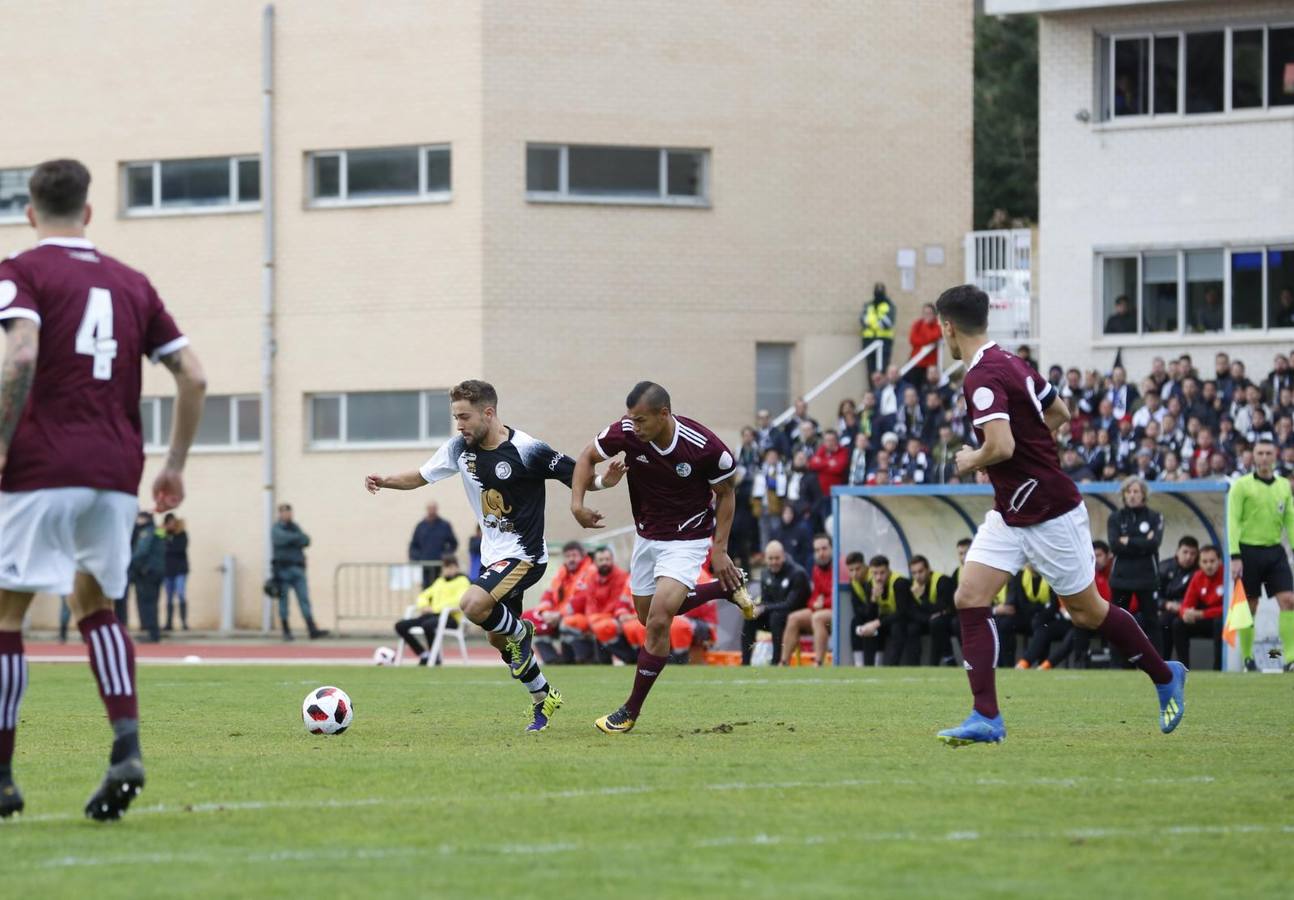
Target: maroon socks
(980,649)
(1125,635)
(112,660)
(13,684)
(649,667)
(703,594)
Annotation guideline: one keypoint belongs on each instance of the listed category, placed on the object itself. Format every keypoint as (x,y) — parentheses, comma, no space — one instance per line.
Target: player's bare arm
(22,344)
(1057,415)
(405,481)
(721,563)
(998,446)
(583,480)
(190,393)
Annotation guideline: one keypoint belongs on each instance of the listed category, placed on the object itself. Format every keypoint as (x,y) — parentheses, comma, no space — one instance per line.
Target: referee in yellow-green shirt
(1260,507)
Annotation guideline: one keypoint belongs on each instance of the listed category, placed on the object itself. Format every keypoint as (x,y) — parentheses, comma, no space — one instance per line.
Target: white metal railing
(874,347)
(1000,262)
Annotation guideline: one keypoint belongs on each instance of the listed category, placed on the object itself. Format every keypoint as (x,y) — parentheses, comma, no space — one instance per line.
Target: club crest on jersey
(683,469)
(503,470)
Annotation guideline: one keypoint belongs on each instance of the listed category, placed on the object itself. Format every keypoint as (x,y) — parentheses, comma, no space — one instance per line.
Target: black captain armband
(1047,395)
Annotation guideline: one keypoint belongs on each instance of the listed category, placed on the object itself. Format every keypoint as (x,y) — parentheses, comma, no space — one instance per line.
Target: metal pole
(267,294)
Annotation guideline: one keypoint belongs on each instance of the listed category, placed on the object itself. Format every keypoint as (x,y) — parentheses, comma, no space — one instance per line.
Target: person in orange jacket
(555,603)
(696,627)
(601,600)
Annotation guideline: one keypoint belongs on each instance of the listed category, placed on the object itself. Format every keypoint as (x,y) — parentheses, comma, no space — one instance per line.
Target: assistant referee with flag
(1260,508)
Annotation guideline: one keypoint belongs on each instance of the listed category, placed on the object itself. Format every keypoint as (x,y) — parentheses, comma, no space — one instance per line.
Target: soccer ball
(384,656)
(327,711)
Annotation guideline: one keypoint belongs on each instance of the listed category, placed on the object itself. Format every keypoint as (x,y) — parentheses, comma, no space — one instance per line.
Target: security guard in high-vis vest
(877,321)
(1028,594)
(880,600)
(932,610)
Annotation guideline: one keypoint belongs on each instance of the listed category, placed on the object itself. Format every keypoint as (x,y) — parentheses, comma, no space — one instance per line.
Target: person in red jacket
(555,602)
(924,331)
(831,463)
(600,601)
(816,615)
(1202,607)
(1080,639)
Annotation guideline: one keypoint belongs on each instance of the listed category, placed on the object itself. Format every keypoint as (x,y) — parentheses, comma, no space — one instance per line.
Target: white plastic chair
(446,624)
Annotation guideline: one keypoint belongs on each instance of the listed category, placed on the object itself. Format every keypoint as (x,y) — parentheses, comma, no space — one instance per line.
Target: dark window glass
(1247,69)
(683,174)
(438,169)
(542,169)
(1280,67)
(1131,76)
(617,171)
(195,182)
(1247,290)
(1166,74)
(381,173)
(249,180)
(327,176)
(1280,287)
(1205,53)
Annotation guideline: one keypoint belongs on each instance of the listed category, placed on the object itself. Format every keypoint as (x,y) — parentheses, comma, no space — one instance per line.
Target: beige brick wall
(839,134)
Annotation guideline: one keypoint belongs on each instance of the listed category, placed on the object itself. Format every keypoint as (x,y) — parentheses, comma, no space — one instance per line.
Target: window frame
(20,217)
(663,198)
(343,198)
(345,442)
(235,205)
(152,426)
(1227,249)
(1105,65)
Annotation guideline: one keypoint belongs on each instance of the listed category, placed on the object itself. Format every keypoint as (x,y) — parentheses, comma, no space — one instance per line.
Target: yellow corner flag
(1238,615)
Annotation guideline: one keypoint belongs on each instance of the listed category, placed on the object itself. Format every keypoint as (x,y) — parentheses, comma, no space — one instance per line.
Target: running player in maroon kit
(71,455)
(677,470)
(1037,517)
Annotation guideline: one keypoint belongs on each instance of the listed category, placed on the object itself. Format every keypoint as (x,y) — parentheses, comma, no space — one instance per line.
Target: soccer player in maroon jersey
(682,495)
(71,455)
(1037,517)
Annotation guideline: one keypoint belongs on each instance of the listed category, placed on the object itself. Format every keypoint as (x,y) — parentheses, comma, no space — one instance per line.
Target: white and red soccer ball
(327,710)
(384,656)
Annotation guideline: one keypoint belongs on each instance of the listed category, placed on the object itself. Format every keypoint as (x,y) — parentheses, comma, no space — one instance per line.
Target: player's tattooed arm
(21,347)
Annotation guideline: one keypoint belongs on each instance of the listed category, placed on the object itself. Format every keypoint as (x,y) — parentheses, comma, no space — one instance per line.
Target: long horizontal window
(1197,290)
(1194,72)
(616,174)
(228,422)
(379,175)
(13,194)
(192,185)
(378,417)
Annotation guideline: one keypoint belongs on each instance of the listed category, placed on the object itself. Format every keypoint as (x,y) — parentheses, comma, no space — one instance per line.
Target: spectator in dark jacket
(289,565)
(433,539)
(1134,534)
(880,600)
(147,571)
(177,570)
(795,535)
(1174,576)
(784,588)
(121,606)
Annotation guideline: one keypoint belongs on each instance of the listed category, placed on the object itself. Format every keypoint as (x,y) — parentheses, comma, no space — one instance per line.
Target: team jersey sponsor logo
(683,469)
(499,566)
(552,463)
(642,458)
(503,470)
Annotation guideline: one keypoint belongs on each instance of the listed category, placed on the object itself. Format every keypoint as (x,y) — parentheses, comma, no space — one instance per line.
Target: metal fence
(376,592)
(1001,263)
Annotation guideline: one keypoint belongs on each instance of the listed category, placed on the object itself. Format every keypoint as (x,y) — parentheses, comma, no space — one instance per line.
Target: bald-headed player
(682,496)
(1037,517)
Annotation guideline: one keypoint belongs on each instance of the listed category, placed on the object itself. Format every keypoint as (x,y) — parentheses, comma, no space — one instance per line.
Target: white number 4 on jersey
(94,337)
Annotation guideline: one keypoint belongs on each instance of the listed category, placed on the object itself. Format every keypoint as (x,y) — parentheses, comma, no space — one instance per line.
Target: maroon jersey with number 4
(669,487)
(97,317)
(1029,487)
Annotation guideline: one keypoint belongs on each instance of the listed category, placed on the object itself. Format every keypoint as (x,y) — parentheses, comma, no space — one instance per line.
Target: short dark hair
(918,559)
(59,187)
(855,559)
(1101,545)
(573,545)
(966,306)
(879,560)
(823,536)
(1189,540)
(478,393)
(1210,548)
(655,396)
(965,542)
(287,506)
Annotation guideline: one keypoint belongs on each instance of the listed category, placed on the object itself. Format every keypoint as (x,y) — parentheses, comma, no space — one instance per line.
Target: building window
(229,422)
(217,183)
(397,418)
(1197,291)
(1196,72)
(773,377)
(380,175)
(598,174)
(13,194)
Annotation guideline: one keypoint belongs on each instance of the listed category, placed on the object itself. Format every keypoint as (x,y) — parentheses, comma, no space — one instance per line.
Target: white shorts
(1060,549)
(48,535)
(680,560)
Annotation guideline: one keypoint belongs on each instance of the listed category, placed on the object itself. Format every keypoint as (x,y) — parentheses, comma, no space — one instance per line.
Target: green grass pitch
(736,783)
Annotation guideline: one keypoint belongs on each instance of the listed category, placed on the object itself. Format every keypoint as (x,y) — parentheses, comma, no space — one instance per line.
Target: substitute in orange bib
(600,601)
